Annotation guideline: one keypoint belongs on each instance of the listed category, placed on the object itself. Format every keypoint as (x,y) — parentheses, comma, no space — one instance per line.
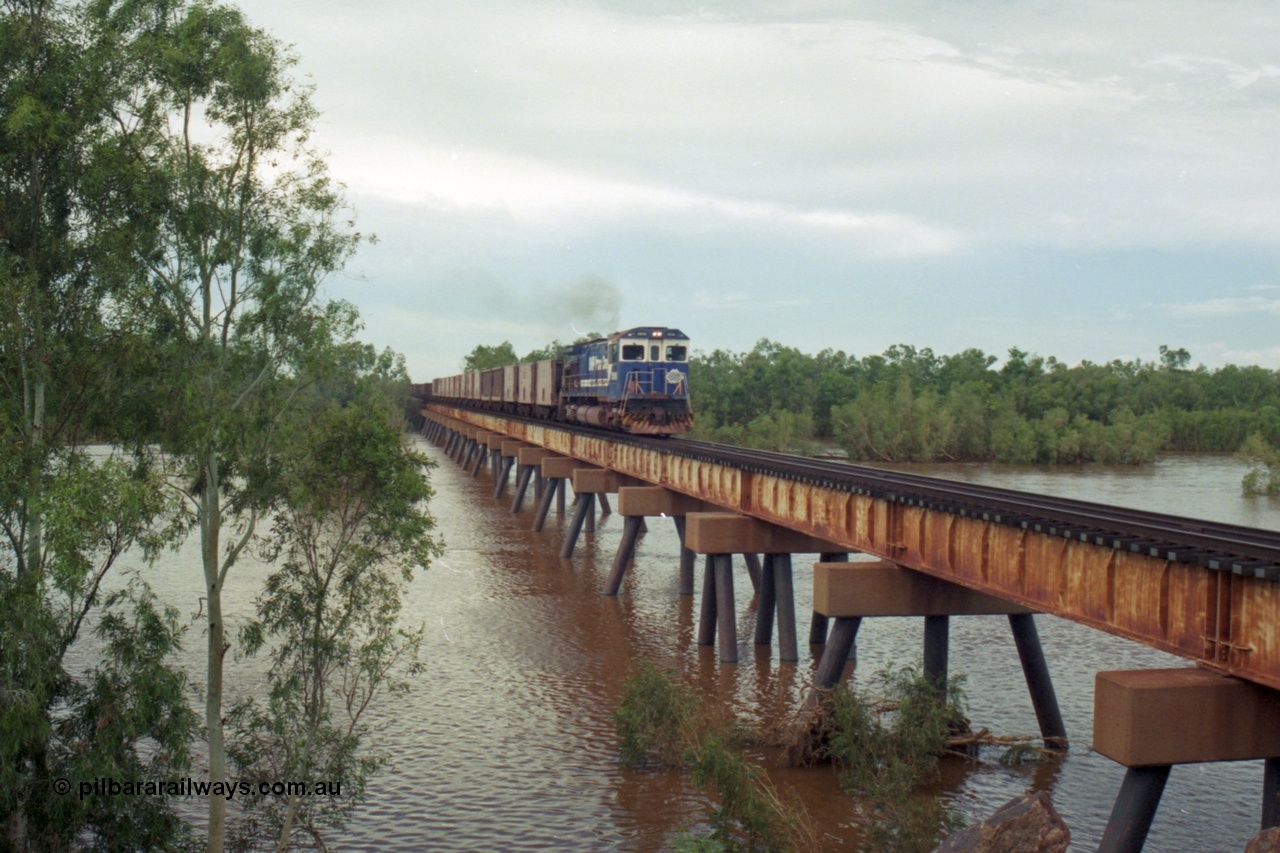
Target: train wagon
(634,381)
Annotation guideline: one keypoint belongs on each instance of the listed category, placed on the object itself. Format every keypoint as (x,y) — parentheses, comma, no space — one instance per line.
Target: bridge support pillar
(583,508)
(504,476)
(1149,720)
(687,559)
(834,657)
(1039,684)
(1271,793)
(1134,809)
(726,617)
(753,570)
(510,450)
(718,618)
(481,451)
(721,535)
(626,550)
(639,502)
(707,612)
(776,596)
(937,643)
(818,625)
(524,475)
(560,489)
(852,591)
(530,459)
(553,471)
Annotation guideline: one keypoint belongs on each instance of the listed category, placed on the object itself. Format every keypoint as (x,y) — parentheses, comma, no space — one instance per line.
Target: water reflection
(508,742)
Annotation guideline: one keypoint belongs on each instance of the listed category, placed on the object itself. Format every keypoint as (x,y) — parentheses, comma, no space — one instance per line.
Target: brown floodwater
(507,742)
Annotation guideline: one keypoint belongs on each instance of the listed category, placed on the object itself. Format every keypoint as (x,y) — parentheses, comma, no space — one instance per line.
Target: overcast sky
(1083,180)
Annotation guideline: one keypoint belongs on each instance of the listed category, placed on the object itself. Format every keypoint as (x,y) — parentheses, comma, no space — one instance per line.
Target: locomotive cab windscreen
(654,346)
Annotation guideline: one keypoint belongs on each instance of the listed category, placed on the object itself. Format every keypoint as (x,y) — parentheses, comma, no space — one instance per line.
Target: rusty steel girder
(1220,619)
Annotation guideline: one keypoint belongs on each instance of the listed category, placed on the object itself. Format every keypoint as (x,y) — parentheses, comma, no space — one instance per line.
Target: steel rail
(1215,545)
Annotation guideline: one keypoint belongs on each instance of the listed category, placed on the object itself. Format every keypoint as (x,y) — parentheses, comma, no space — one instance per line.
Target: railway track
(1224,547)
(1246,551)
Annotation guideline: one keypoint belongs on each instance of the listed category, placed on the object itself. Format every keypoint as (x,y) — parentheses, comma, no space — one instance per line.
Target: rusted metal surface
(1217,618)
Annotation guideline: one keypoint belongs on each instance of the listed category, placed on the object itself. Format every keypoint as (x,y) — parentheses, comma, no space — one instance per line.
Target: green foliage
(654,718)
(662,722)
(346,542)
(887,749)
(127,716)
(132,721)
(165,231)
(485,357)
(910,404)
(1263,477)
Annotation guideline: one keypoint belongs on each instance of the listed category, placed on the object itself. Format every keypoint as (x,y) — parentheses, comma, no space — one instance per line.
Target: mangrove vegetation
(912,405)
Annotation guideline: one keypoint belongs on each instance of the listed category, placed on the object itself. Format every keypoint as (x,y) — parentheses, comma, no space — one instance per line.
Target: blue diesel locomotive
(634,381)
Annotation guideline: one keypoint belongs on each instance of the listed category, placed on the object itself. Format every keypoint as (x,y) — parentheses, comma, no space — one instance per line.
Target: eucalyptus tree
(67,516)
(249,227)
(345,543)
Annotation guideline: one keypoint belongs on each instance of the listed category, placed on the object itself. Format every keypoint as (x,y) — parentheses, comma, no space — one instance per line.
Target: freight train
(634,381)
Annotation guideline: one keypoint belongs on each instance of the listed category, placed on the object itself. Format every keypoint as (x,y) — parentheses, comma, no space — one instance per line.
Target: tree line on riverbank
(910,404)
(165,230)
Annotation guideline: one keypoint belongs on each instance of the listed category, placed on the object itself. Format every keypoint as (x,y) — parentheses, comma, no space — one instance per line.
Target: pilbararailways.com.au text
(106,786)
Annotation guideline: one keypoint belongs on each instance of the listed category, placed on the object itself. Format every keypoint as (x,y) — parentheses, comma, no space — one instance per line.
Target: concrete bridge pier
(588,484)
(719,535)
(509,449)
(635,503)
(850,592)
(818,624)
(530,458)
(469,448)
(1151,720)
(555,470)
(482,451)
(464,442)
(495,453)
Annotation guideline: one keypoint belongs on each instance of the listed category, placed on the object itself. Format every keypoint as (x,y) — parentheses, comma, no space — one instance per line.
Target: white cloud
(1229,306)
(542,195)
(907,147)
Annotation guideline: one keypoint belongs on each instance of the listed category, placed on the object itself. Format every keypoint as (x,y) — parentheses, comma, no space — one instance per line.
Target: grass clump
(887,749)
(656,718)
(662,722)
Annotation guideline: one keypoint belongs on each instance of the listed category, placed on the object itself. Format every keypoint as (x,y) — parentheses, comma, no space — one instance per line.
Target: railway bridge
(925,547)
